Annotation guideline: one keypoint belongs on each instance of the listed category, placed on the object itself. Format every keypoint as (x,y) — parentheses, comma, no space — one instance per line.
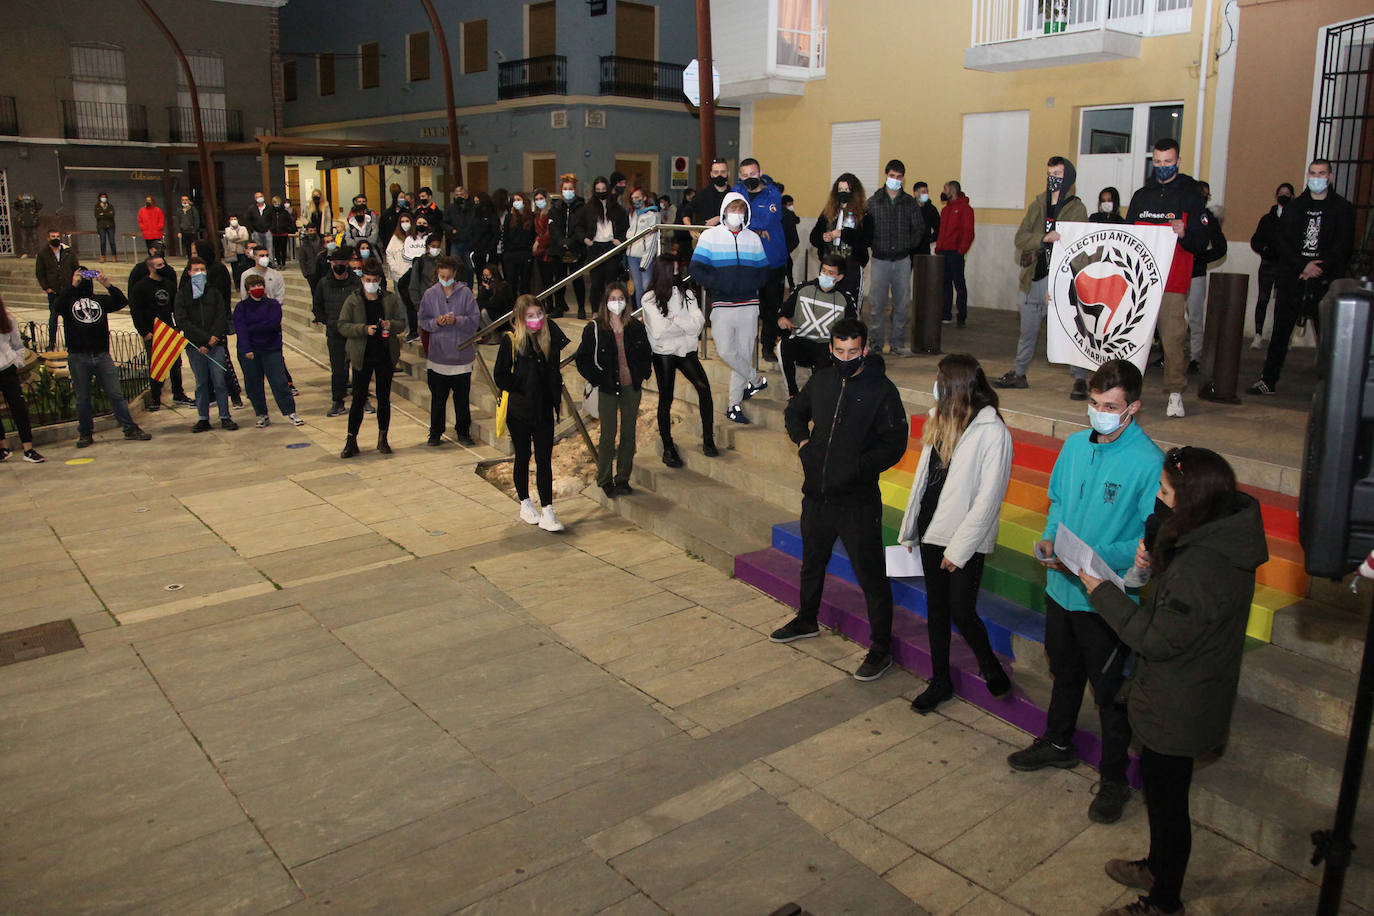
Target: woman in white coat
(952,515)
(673,317)
(643,214)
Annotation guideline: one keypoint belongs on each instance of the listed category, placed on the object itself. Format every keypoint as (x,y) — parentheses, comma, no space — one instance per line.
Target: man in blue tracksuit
(1102,489)
(765,219)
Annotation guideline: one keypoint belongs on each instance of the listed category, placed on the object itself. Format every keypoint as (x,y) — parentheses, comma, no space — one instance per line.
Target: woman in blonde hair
(952,514)
(527,368)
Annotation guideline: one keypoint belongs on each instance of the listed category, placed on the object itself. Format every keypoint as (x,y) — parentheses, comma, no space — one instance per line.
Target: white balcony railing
(1012,20)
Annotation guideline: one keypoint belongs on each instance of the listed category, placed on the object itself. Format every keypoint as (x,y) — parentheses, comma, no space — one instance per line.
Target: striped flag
(168,343)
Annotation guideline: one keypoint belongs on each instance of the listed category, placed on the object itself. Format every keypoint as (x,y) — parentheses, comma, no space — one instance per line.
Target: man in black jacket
(150,299)
(1265,243)
(1316,239)
(203,316)
(327,301)
(849,426)
(930,216)
(86,327)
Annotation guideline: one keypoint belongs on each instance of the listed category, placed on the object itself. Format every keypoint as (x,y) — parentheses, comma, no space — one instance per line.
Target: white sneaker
(296,419)
(548,521)
(262,421)
(1257,343)
(1175,408)
(529,512)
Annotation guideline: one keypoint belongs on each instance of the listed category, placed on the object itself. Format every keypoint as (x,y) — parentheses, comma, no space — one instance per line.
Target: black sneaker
(350,448)
(611,490)
(1042,754)
(85,441)
(184,401)
(136,434)
(32,457)
(940,689)
(227,423)
(998,684)
(201,426)
(368,408)
(623,488)
(794,630)
(709,450)
(236,402)
(1079,391)
(875,665)
(434,441)
(1261,387)
(671,458)
(1111,799)
(154,406)
(1010,380)
(337,409)
(464,439)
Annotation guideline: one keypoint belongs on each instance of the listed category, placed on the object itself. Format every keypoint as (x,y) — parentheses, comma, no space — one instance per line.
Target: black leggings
(666,368)
(1166,780)
(954,596)
(539,435)
(19,409)
(362,377)
(559,270)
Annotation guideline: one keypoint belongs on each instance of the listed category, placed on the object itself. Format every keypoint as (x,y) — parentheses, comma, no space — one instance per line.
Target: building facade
(96,101)
(540,89)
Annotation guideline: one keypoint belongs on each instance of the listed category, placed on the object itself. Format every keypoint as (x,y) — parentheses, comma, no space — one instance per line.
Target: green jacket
(188,220)
(104,215)
(1030,235)
(1189,634)
(353,325)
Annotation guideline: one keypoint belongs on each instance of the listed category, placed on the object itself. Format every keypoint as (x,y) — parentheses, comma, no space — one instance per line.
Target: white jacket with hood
(676,333)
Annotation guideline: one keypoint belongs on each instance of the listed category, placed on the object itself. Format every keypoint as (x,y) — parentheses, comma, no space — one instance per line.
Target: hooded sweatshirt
(257,325)
(446,357)
(1189,636)
(765,215)
(1039,221)
(86,316)
(731,264)
(956,226)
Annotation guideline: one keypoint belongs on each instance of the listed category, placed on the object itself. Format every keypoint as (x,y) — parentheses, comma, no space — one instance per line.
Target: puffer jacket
(201,318)
(598,360)
(535,381)
(676,333)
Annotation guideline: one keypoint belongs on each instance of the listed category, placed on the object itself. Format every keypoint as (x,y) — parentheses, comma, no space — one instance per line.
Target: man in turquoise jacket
(1102,489)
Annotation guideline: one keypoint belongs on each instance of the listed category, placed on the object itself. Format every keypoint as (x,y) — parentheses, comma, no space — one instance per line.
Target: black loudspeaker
(1336,502)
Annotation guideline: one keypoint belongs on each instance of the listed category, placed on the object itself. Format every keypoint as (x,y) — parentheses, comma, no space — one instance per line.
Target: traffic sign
(691,83)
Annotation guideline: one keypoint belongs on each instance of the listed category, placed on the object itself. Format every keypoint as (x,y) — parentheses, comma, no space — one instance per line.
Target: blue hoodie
(732,265)
(1103,492)
(765,215)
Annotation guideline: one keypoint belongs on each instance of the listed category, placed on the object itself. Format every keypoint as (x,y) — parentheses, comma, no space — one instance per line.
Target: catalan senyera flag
(168,343)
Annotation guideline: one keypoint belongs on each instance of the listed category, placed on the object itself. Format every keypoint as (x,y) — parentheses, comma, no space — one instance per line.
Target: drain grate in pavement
(35,642)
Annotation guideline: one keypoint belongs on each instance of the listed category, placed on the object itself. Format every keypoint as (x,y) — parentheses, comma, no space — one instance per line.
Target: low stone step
(1290,752)
(1321,632)
(704,537)
(779,486)
(729,507)
(1298,686)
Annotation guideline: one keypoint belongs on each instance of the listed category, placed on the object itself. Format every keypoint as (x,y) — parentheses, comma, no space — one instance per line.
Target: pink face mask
(534,324)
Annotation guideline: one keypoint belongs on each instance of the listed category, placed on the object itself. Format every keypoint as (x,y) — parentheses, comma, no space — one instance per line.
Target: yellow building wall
(901,61)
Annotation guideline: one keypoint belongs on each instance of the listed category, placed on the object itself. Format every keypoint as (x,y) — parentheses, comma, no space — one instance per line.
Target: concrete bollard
(1223,336)
(927,302)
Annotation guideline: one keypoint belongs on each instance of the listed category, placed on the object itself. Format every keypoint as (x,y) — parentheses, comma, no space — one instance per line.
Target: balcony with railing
(83,120)
(9,117)
(219,124)
(641,79)
(1026,34)
(531,76)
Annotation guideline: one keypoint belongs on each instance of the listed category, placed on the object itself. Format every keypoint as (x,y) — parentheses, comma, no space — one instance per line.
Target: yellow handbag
(502,405)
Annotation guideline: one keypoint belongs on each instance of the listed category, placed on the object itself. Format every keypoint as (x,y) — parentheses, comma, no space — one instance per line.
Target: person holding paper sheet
(952,516)
(1188,639)
(1102,489)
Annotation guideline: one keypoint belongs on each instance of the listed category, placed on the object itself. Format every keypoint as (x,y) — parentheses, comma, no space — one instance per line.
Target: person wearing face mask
(845,228)
(283,226)
(565,251)
(643,215)
(1188,638)
(1171,198)
(322,264)
(327,300)
(52,268)
(1265,243)
(953,243)
(849,426)
(258,219)
(85,318)
(26,209)
(104,227)
(1316,239)
(704,207)
(458,228)
(218,276)
(615,356)
(808,316)
(188,225)
(424,273)
(765,221)
(930,217)
(528,372)
(262,267)
(203,316)
(371,321)
(362,224)
(386,223)
(494,296)
(236,247)
(730,262)
(898,229)
(449,317)
(673,319)
(667,212)
(517,243)
(402,248)
(1197,287)
(426,209)
(257,329)
(486,231)
(543,263)
(1102,489)
(601,225)
(152,223)
(790,222)
(1035,238)
(952,517)
(1108,207)
(151,299)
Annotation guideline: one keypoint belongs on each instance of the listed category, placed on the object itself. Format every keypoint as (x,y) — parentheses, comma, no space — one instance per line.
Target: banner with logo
(1106,283)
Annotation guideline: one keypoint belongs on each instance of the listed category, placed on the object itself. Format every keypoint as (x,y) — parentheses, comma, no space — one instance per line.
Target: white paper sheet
(1077,555)
(900,564)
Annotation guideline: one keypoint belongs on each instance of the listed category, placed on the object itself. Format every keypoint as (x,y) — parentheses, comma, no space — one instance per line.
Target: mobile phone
(90,274)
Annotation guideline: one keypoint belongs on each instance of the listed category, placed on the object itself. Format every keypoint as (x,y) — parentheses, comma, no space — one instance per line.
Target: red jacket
(956,226)
(151,222)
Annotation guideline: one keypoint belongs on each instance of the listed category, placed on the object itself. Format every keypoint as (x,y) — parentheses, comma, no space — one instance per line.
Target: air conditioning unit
(558,119)
(596,118)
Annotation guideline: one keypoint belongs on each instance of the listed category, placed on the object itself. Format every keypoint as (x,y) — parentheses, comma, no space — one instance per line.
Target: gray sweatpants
(735,330)
(889,285)
(1034,306)
(1197,315)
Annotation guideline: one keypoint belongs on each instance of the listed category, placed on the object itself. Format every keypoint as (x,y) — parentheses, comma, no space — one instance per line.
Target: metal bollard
(927,302)
(1223,336)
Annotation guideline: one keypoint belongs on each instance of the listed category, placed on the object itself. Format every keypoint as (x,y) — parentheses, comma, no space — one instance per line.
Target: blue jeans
(82,367)
(956,290)
(210,373)
(107,236)
(267,363)
(642,276)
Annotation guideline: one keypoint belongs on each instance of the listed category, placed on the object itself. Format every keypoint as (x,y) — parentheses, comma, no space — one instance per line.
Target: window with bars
(99,109)
(1345,122)
(369,65)
(208,69)
(417,56)
(324,66)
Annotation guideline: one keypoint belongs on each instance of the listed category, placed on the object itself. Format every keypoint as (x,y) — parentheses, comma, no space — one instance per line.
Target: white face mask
(259,200)
(405,226)
(1106,206)
(518,205)
(734,220)
(264,261)
(364,253)
(371,288)
(434,252)
(894,184)
(616,306)
(569,194)
(540,203)
(1317,185)
(1105,423)
(234,223)
(447,283)
(924,198)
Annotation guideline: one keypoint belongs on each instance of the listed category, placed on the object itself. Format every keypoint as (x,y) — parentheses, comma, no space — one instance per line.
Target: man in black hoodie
(149,299)
(849,427)
(86,327)
(1316,239)
(328,299)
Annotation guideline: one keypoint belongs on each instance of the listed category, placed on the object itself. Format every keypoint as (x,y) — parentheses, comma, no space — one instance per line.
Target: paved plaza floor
(366,687)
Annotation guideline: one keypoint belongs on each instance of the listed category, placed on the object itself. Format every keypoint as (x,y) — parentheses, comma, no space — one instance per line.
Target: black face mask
(753,184)
(842,196)
(602,195)
(720,181)
(1054,182)
(1283,199)
(944,196)
(340,270)
(846,367)
(424,201)
(360,209)
(56,243)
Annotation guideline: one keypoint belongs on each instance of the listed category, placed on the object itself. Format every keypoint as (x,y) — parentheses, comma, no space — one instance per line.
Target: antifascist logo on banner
(1105,289)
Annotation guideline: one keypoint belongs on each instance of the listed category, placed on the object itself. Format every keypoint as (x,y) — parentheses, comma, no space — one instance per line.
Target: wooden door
(639,173)
(636,30)
(475,175)
(293,186)
(544,174)
(543,29)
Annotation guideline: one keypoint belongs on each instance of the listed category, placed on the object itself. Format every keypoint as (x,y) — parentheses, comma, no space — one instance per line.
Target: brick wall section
(278,93)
